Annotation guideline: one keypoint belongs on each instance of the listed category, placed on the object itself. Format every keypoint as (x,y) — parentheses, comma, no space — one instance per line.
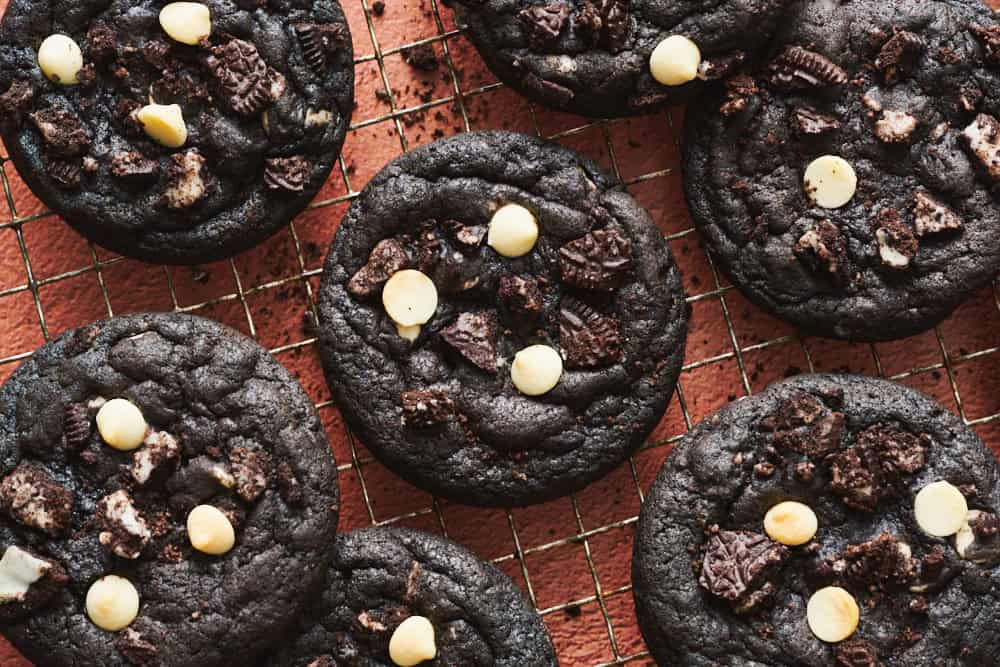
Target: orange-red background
(571,554)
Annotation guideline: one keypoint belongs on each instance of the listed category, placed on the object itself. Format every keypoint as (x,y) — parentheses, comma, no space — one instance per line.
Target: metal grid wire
(458,98)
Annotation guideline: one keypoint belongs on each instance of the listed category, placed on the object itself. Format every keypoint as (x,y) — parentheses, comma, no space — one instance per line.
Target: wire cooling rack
(571,556)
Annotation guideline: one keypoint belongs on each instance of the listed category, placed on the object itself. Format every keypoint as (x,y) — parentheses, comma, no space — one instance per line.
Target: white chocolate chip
(318,118)
(121,424)
(410,298)
(675,61)
(408,333)
(210,531)
(940,509)
(791,523)
(412,642)
(164,123)
(536,370)
(513,231)
(112,603)
(60,59)
(832,614)
(830,181)
(186,22)
(18,570)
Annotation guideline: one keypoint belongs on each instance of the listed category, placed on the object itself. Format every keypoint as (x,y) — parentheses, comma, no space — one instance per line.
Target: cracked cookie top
(175,133)
(830,521)
(849,184)
(501,322)
(610,58)
(168,458)
(381,578)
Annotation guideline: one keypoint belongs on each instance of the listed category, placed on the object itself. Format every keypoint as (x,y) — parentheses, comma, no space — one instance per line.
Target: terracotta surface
(573,554)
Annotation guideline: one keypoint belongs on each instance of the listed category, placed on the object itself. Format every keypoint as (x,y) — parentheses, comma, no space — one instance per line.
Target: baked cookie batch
(501,324)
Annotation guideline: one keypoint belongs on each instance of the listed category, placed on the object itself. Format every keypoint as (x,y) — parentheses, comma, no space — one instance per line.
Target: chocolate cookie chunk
(175,133)
(110,437)
(849,185)
(382,577)
(610,58)
(798,527)
(501,323)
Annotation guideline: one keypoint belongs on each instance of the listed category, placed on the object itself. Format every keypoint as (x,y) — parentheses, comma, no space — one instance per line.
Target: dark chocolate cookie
(592,57)
(229,430)
(380,577)
(265,99)
(904,91)
(598,292)
(861,455)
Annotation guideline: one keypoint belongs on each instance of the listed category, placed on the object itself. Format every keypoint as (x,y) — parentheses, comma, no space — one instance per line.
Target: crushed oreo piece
(125,532)
(77,426)
(186,185)
(810,122)
(288,485)
(14,103)
(604,23)
(251,469)
(53,579)
(883,563)
(133,165)
(856,653)
(559,94)
(932,216)
(824,250)
(426,408)
(873,467)
(739,90)
(983,138)
(467,237)
(65,173)
(801,409)
(545,22)
(897,246)
(474,336)
(599,260)
(899,55)
(291,174)
(796,67)
(31,496)
(588,338)
(386,258)
(737,566)
(989,37)
(135,648)
(247,84)
(62,131)
(895,127)
(101,42)
(986,525)
(197,481)
(805,471)
(422,57)
(159,452)
(713,69)
(318,41)
(425,247)
(156,52)
(522,296)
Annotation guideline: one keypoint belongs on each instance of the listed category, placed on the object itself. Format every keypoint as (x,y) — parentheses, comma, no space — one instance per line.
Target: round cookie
(383,577)
(99,536)
(557,319)
(264,103)
(904,92)
(718,580)
(611,58)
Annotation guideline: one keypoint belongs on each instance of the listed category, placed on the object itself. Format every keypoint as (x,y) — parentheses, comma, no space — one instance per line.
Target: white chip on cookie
(832,614)
(186,22)
(830,181)
(60,59)
(164,123)
(413,642)
(536,370)
(675,61)
(513,231)
(940,509)
(408,333)
(121,424)
(409,297)
(791,523)
(210,531)
(112,603)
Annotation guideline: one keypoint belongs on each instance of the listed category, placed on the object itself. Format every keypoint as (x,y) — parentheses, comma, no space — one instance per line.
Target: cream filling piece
(18,571)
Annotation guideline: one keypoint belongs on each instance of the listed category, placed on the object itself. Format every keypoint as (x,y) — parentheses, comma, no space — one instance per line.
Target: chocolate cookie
(175,133)
(167,496)
(393,589)
(608,58)
(849,186)
(798,527)
(501,321)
